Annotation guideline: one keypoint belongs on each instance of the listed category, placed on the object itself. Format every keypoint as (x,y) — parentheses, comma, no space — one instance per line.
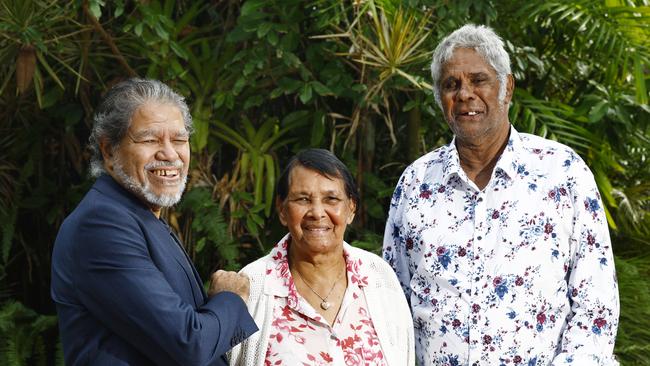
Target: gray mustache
(163,164)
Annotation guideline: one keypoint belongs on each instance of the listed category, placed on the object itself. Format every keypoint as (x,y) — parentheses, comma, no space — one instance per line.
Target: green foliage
(266,78)
(209,227)
(24,333)
(257,167)
(589,92)
(369,241)
(633,340)
(33,45)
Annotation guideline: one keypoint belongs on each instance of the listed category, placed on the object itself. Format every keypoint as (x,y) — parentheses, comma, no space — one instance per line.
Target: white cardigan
(387,306)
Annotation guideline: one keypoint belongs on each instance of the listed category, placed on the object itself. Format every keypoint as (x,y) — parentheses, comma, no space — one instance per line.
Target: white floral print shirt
(301,336)
(519,273)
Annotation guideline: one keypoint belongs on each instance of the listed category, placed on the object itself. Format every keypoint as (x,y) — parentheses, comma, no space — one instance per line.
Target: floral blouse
(301,336)
(519,273)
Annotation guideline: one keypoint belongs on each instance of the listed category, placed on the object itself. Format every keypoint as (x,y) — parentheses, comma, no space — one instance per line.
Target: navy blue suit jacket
(127,294)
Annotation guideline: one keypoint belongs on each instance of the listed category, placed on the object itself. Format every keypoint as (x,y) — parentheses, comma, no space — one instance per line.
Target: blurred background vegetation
(266,78)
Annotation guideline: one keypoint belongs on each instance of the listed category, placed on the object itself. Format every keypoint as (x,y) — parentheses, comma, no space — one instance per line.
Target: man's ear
(510,88)
(279,207)
(107,154)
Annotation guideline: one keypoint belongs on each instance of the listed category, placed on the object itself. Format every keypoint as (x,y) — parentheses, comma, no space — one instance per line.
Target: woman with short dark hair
(316,299)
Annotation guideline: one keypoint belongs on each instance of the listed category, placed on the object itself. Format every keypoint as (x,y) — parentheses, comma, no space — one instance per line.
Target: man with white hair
(125,290)
(499,238)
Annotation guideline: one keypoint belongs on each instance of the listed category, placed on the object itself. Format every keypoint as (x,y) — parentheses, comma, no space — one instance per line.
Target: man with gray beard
(125,290)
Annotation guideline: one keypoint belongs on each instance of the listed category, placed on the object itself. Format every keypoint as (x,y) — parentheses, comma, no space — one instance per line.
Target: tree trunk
(413,131)
(366,152)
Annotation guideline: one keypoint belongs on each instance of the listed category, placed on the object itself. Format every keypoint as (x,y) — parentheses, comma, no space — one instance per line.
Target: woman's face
(316,211)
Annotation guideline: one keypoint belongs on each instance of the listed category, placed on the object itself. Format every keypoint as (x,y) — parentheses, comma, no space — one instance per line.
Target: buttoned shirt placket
(476,265)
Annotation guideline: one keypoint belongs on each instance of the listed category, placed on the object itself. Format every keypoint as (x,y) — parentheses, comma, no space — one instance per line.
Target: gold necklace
(324,303)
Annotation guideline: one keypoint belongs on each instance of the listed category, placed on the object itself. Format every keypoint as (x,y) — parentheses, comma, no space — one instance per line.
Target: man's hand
(229,281)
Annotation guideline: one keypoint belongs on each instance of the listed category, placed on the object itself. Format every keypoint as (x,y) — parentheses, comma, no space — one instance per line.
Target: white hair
(484,41)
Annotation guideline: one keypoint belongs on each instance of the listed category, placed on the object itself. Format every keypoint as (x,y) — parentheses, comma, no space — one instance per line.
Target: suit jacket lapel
(192,275)
(108,186)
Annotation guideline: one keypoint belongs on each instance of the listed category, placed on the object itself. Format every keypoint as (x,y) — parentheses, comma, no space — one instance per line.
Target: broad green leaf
(251,6)
(270,185)
(160,31)
(295,117)
(201,132)
(252,226)
(410,105)
(138,29)
(317,129)
(320,88)
(219,99)
(598,111)
(272,37)
(276,93)
(253,101)
(305,93)
(289,85)
(291,59)
(200,244)
(179,50)
(263,29)
(640,77)
(95,8)
(258,173)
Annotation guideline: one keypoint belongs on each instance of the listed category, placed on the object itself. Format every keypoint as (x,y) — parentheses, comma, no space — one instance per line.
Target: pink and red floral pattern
(301,336)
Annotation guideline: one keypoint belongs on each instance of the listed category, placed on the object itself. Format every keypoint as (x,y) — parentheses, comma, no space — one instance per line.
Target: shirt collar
(279,281)
(451,161)
(507,163)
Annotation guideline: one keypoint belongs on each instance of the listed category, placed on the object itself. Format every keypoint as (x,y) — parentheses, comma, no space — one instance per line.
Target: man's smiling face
(469,92)
(152,160)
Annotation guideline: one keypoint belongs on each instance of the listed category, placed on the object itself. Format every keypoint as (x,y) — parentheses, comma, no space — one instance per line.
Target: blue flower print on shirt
(603,262)
(599,323)
(592,205)
(443,256)
(425,192)
(541,251)
(397,194)
(521,170)
(500,287)
(453,360)
(556,193)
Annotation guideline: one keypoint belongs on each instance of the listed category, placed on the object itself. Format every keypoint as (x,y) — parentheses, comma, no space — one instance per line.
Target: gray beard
(144,191)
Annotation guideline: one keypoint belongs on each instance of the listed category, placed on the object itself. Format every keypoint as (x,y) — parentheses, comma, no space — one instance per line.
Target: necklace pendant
(325,305)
